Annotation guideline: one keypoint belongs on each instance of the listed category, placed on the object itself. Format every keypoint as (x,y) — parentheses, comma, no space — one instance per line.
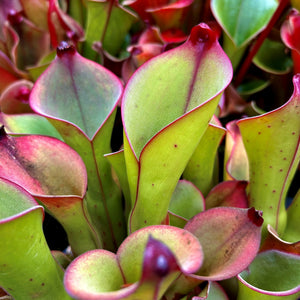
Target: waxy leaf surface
(228,193)
(243,19)
(236,165)
(76,90)
(273,273)
(55,174)
(272,145)
(79,97)
(28,124)
(165,115)
(143,267)
(27,268)
(230,238)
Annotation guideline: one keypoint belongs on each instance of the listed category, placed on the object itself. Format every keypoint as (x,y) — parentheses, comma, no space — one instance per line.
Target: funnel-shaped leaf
(200,169)
(236,165)
(144,266)
(230,238)
(79,97)
(25,42)
(27,268)
(61,25)
(243,19)
(107,23)
(273,273)
(55,174)
(272,144)
(165,115)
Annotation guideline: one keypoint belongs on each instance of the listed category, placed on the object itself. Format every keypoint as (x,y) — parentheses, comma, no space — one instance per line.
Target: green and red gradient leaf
(236,165)
(228,193)
(79,97)
(61,26)
(230,238)
(165,14)
(165,115)
(290,31)
(28,124)
(274,242)
(144,266)
(26,43)
(27,268)
(15,98)
(272,145)
(54,174)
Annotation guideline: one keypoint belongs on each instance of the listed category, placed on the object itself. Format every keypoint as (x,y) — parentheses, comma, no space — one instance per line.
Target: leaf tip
(255,216)
(202,33)
(159,261)
(65,48)
(14,17)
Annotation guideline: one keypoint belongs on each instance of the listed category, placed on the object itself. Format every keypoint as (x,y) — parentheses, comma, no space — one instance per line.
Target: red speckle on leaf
(274,191)
(284,158)
(65,48)
(259,132)
(255,216)
(293,133)
(175,145)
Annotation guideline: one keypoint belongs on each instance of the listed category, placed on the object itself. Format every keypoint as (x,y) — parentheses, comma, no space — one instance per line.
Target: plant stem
(253,50)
